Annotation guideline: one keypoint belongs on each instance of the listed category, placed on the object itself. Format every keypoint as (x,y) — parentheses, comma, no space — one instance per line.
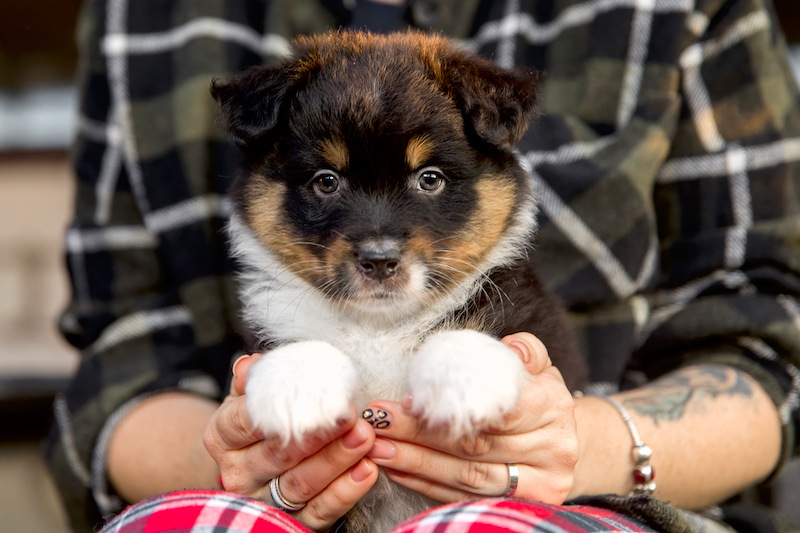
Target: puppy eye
(326,182)
(430,180)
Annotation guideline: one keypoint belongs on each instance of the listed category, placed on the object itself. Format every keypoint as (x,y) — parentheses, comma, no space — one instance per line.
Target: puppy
(383,226)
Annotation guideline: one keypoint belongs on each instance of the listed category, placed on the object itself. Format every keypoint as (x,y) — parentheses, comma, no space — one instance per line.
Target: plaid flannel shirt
(665,161)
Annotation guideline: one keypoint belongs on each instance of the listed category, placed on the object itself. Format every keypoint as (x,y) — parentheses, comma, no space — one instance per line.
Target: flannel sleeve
(154,304)
(666,165)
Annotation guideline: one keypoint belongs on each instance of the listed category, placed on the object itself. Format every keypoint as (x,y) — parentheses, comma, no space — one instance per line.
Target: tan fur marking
(335,152)
(418,151)
(265,215)
(495,205)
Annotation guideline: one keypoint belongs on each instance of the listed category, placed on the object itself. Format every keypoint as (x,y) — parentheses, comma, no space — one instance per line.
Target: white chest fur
(328,358)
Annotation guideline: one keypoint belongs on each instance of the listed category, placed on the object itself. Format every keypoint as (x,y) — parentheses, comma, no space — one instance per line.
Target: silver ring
(280,502)
(513,479)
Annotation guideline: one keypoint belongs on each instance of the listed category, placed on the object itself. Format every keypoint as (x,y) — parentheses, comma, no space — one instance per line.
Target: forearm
(158,447)
(712,429)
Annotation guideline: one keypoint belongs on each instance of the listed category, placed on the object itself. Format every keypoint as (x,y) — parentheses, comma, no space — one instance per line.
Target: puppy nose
(379,262)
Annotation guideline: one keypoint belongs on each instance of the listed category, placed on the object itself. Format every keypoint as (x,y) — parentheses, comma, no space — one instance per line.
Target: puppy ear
(250,103)
(497,103)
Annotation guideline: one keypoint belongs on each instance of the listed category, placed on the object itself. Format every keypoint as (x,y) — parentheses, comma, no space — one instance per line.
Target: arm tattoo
(667,398)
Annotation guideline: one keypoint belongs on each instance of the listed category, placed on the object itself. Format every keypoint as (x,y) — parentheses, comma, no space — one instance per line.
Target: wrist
(605,464)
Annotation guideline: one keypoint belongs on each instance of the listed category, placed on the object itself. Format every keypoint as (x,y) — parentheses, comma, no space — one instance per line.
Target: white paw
(462,378)
(299,388)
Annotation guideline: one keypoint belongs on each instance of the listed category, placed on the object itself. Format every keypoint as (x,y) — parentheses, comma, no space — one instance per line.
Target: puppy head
(380,168)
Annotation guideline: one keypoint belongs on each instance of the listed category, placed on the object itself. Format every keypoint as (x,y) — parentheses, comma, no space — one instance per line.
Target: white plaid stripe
(507,45)
(97,131)
(525,26)
(567,153)
(765,351)
(67,437)
(792,308)
(699,101)
(109,238)
(209,518)
(120,115)
(107,182)
(637,54)
(140,324)
(458,519)
(739,186)
(118,44)
(110,165)
(188,212)
(716,165)
(582,237)
(691,61)
(669,303)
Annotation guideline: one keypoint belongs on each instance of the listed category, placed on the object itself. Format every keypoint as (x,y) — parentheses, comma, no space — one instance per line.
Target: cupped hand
(539,435)
(327,470)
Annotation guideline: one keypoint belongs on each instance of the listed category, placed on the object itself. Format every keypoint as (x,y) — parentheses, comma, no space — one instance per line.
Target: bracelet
(643,472)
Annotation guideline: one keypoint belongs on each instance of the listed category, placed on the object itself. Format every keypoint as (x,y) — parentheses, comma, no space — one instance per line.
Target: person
(665,162)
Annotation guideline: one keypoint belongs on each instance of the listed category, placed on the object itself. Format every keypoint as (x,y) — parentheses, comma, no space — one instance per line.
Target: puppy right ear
(250,103)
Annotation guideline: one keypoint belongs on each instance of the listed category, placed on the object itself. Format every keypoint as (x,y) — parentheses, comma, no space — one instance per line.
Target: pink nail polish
(354,438)
(233,368)
(524,351)
(382,449)
(361,471)
(408,402)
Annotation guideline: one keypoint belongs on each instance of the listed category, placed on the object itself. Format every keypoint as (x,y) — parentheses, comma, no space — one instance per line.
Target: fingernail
(377,418)
(524,350)
(233,368)
(361,471)
(382,449)
(355,437)
(408,402)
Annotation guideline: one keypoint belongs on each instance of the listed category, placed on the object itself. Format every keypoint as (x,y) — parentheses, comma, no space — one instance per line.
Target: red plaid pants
(223,512)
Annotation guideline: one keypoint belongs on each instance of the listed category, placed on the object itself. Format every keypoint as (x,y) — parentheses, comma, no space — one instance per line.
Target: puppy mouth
(378,274)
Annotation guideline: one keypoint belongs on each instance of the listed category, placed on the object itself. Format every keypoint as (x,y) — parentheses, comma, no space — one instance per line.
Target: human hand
(539,435)
(327,470)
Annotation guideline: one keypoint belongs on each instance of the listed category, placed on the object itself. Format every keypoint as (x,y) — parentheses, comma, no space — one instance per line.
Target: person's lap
(225,512)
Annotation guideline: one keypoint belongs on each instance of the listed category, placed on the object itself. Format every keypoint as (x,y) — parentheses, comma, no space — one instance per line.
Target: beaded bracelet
(643,472)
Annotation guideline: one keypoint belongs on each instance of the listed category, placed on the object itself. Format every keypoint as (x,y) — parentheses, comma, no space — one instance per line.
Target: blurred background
(38,118)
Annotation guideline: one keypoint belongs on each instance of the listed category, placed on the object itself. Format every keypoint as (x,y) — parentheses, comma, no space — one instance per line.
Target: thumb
(530,349)
(241,368)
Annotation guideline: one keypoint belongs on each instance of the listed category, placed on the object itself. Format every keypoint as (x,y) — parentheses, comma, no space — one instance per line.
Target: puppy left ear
(497,103)
(250,103)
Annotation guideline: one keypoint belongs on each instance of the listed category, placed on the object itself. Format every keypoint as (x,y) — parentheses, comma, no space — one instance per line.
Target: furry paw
(462,378)
(299,388)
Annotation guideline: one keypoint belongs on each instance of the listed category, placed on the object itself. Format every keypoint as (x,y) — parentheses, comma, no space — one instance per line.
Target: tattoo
(668,397)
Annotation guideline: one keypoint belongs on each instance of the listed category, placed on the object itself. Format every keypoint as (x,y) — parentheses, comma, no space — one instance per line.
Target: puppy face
(380,168)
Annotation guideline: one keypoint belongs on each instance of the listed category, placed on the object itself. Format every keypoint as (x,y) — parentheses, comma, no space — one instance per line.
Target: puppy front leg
(299,388)
(461,378)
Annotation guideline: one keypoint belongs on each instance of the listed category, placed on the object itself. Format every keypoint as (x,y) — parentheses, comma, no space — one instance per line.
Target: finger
(477,478)
(434,491)
(230,428)
(531,350)
(240,369)
(533,485)
(544,401)
(247,469)
(322,511)
(308,478)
